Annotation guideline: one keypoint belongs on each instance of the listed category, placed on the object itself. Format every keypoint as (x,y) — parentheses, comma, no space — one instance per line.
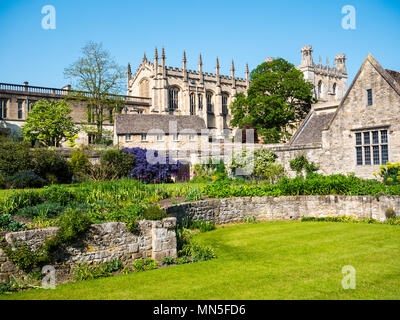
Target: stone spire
(340,63)
(129,71)
(247,76)
(155,63)
(184,67)
(306,56)
(233,74)
(144,57)
(217,73)
(201,69)
(164,74)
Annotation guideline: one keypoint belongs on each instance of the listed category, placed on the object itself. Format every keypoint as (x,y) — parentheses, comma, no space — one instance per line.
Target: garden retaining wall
(101,243)
(230,210)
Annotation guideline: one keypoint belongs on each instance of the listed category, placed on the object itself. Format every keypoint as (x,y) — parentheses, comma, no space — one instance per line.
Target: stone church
(179,91)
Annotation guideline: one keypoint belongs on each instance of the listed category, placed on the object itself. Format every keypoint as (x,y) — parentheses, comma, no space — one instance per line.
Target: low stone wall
(285,208)
(101,243)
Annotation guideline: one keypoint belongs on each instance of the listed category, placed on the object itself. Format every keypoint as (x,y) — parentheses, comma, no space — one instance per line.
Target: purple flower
(8,187)
(44,199)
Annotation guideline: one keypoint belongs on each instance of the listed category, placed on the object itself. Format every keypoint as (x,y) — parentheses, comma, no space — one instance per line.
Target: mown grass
(281,260)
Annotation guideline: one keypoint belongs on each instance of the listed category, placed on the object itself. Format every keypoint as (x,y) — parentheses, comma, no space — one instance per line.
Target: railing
(65,92)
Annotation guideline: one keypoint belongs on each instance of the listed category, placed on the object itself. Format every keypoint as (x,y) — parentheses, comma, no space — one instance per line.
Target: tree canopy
(97,73)
(49,123)
(277,99)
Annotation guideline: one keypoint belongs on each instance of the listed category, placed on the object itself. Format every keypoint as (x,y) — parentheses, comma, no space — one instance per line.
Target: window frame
(372,147)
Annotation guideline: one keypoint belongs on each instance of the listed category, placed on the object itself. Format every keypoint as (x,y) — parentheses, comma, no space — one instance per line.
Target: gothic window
(200,104)
(144,88)
(91,114)
(369,97)
(334,88)
(372,147)
(224,104)
(192,104)
(319,89)
(3,109)
(30,105)
(210,106)
(20,109)
(173,99)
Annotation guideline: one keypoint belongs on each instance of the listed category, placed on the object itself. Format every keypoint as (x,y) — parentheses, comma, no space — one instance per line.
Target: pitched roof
(390,76)
(311,130)
(395,75)
(143,123)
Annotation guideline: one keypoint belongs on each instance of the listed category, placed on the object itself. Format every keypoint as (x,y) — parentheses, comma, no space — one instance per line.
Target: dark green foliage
(51,165)
(301,163)
(46,209)
(198,252)
(168,260)
(14,157)
(121,162)
(390,213)
(58,194)
(278,97)
(25,179)
(314,184)
(154,213)
(144,265)
(23,256)
(183,260)
(113,265)
(7,223)
(391,221)
(201,225)
(72,224)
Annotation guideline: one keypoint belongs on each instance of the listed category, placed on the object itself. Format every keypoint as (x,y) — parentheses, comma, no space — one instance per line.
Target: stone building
(187,92)
(330,83)
(160,132)
(356,135)
(17,100)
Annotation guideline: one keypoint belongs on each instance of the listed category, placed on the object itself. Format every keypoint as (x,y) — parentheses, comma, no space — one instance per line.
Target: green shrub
(168,260)
(250,220)
(301,163)
(183,260)
(25,179)
(113,266)
(46,209)
(23,256)
(79,163)
(144,265)
(201,225)
(193,195)
(198,252)
(154,213)
(51,165)
(58,194)
(7,223)
(85,271)
(122,162)
(14,157)
(390,213)
(72,225)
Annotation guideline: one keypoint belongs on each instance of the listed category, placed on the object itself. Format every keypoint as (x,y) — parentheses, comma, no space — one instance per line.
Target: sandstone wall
(101,243)
(285,208)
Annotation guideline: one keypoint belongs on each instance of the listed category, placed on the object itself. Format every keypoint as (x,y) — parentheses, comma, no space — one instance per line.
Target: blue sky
(247,31)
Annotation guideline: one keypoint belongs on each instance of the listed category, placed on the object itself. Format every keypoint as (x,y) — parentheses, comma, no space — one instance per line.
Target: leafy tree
(97,73)
(278,97)
(301,163)
(49,123)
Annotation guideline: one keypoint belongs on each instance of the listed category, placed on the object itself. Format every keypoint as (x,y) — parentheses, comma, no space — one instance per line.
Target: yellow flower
(381,167)
(390,179)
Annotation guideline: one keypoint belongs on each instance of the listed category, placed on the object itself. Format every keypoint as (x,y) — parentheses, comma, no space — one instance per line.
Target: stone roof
(143,123)
(395,75)
(311,131)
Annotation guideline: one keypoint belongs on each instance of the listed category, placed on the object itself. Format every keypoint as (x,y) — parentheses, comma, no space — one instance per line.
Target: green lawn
(281,260)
